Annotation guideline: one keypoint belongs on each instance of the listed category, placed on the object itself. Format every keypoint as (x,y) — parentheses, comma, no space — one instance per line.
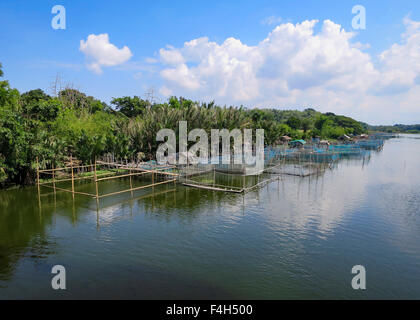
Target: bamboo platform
(133,169)
(225,189)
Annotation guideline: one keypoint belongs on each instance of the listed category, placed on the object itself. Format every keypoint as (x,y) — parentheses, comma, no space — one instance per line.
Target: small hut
(297,143)
(284,139)
(344,137)
(324,143)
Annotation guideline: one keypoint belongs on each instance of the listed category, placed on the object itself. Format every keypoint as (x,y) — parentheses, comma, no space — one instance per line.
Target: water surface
(294,238)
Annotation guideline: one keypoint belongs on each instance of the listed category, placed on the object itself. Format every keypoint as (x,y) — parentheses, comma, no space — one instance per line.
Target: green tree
(294,122)
(130,106)
(306,125)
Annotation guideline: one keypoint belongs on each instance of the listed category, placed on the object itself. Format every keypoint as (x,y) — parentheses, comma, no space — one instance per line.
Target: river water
(295,238)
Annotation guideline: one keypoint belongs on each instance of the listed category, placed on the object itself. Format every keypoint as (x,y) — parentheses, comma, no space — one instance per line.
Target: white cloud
(271,20)
(294,66)
(171,57)
(100,52)
(151,60)
(401,62)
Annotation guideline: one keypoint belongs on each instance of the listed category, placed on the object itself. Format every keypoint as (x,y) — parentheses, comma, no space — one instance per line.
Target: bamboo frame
(133,171)
(75,192)
(141,169)
(122,176)
(134,189)
(65,168)
(69,179)
(225,189)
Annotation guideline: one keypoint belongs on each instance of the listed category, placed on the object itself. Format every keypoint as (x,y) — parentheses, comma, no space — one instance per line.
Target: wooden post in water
(53,176)
(72,176)
(131,182)
(37,182)
(214,175)
(96,186)
(37,174)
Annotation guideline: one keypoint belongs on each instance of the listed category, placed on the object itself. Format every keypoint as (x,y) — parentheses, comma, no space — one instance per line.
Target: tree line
(397,128)
(34,124)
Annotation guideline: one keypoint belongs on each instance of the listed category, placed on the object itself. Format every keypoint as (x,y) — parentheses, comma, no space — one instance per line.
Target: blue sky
(154,32)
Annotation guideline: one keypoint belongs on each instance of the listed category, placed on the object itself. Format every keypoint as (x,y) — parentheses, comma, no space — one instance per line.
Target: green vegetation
(34,124)
(397,128)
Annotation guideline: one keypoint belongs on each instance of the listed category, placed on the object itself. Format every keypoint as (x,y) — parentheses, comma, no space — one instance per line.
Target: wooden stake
(37,180)
(53,178)
(37,174)
(72,176)
(131,185)
(214,175)
(96,187)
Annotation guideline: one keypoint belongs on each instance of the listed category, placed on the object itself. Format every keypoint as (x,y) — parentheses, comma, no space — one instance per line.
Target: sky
(279,54)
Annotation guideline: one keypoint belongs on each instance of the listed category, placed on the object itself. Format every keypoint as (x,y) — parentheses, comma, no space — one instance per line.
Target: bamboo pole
(134,189)
(123,176)
(80,178)
(96,187)
(65,168)
(224,188)
(131,185)
(72,176)
(214,175)
(39,189)
(76,192)
(53,179)
(37,173)
(144,170)
(161,167)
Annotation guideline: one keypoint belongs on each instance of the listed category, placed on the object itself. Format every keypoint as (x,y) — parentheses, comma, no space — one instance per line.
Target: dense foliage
(397,128)
(34,124)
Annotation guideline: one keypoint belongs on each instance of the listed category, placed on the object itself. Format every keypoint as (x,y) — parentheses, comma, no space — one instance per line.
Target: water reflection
(273,242)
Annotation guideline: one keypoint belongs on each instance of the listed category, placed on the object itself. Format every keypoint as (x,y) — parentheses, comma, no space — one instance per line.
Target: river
(295,238)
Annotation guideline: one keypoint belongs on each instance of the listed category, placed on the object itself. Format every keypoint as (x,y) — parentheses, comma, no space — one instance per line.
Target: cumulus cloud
(401,62)
(100,52)
(294,66)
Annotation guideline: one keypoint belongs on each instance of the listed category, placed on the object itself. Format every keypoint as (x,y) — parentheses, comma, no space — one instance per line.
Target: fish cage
(298,169)
(373,144)
(349,150)
(384,135)
(71,176)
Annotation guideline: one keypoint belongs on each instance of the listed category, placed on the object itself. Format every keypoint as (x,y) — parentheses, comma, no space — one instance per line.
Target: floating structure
(228,176)
(128,170)
(372,144)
